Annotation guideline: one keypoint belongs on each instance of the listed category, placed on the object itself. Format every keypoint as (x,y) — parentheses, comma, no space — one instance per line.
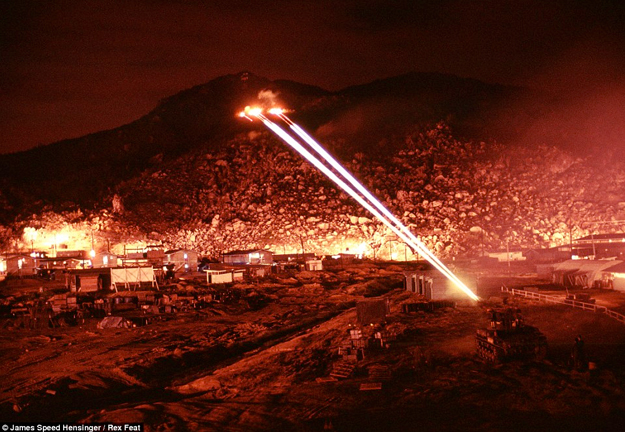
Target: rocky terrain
(458,196)
(461,197)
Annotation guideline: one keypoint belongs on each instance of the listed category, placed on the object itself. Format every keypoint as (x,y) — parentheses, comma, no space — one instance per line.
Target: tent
(591,271)
(580,273)
(562,272)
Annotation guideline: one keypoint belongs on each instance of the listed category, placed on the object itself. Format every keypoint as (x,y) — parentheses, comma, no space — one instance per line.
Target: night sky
(69,68)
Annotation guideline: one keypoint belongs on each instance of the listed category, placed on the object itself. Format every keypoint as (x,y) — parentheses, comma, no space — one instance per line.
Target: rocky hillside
(459,196)
(189,174)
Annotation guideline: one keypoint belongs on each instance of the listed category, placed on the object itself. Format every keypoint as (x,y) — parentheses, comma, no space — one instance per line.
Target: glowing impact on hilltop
(356,190)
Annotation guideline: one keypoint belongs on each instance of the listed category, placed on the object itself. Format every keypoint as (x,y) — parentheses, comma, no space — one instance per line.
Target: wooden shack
(183,260)
(88,280)
(314,265)
(21,264)
(104,259)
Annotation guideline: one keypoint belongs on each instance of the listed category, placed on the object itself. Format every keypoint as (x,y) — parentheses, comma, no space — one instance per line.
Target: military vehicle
(508,338)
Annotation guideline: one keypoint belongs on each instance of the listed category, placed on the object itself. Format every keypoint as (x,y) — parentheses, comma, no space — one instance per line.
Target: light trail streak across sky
(377,209)
(416,243)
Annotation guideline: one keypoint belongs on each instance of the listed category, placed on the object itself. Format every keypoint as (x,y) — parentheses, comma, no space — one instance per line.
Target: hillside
(459,196)
(190,174)
(83,171)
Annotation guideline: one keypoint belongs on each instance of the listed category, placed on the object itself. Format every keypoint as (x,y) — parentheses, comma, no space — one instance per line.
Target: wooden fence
(559,300)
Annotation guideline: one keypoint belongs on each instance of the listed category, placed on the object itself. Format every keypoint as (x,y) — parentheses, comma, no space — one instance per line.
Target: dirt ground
(265,365)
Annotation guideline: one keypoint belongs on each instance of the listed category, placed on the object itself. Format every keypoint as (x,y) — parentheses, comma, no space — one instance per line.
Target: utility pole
(508,253)
(570,241)
(482,242)
(594,252)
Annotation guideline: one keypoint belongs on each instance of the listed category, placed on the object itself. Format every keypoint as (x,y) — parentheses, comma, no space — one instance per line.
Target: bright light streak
(396,226)
(317,163)
(336,165)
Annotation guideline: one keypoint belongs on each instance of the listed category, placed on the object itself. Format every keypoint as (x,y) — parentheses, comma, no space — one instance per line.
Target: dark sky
(68,68)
